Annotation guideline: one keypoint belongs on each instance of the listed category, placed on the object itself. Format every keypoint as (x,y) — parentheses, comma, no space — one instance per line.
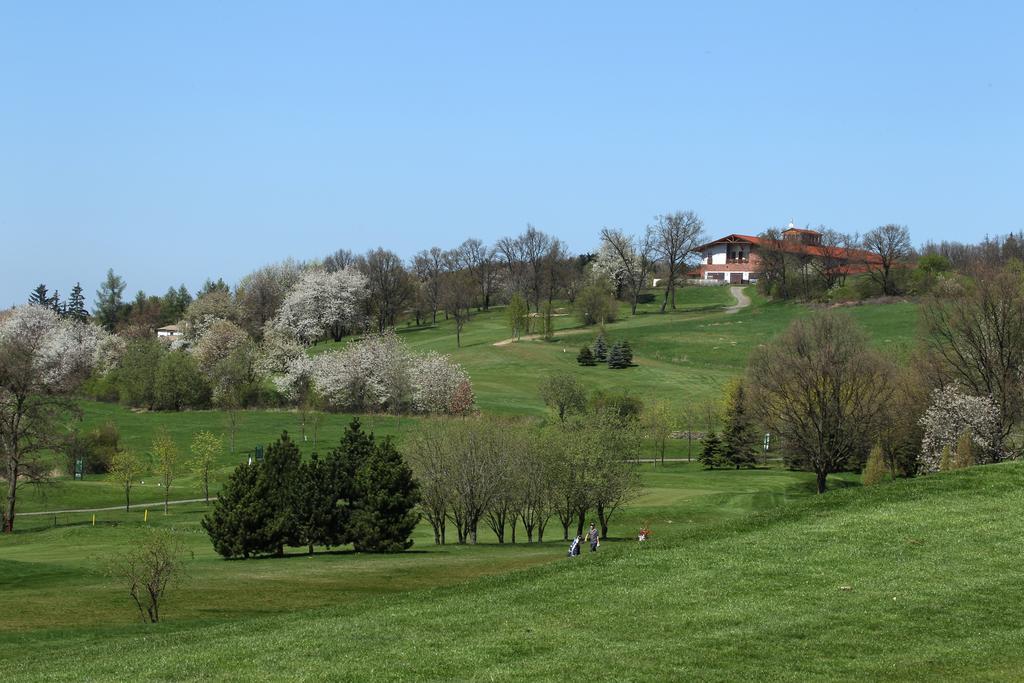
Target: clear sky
(176,141)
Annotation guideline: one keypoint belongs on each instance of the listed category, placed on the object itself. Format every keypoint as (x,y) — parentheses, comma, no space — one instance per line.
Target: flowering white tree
(43,358)
(379,373)
(953,412)
(323,303)
(435,381)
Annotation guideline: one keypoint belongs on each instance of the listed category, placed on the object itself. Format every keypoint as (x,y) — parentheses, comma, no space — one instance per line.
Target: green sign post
(79,468)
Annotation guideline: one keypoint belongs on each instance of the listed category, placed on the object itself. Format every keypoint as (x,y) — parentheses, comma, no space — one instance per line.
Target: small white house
(168,332)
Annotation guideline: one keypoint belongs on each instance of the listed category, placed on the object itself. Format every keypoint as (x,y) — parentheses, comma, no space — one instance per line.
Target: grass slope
(912,580)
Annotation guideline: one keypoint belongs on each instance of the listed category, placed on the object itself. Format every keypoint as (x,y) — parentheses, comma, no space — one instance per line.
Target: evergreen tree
(711,455)
(109,301)
(586,357)
(600,349)
(55,305)
(384,512)
(875,470)
(616,360)
(39,296)
(318,517)
(76,305)
(740,437)
(627,353)
(238,523)
(279,483)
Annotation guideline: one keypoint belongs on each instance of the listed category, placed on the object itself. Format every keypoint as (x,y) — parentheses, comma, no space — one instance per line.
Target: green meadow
(737,582)
(894,582)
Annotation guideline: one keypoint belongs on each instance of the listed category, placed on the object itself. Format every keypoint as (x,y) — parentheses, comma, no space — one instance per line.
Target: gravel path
(116,507)
(742,300)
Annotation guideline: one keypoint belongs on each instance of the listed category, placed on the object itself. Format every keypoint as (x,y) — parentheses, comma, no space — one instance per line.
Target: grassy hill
(681,356)
(912,580)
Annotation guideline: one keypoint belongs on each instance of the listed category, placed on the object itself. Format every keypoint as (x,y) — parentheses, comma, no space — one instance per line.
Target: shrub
(595,305)
(964,451)
(179,384)
(875,470)
(600,349)
(616,359)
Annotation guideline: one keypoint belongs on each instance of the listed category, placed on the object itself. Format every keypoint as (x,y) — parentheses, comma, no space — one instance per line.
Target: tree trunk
(12,490)
(513,525)
(581,520)
(821,481)
(127,498)
(602,519)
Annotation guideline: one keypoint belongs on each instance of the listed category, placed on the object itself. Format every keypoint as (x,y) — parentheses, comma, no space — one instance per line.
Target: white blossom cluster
(60,350)
(379,373)
(953,412)
(320,301)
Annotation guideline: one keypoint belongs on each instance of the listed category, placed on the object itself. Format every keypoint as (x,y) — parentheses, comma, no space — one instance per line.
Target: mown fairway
(715,593)
(58,570)
(869,584)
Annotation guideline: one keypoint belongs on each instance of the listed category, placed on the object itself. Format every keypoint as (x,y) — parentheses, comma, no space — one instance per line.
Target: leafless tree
(389,283)
(976,337)
(830,262)
(635,257)
(823,390)
(457,293)
(42,361)
(340,260)
(148,568)
(429,266)
(676,235)
(479,261)
(891,244)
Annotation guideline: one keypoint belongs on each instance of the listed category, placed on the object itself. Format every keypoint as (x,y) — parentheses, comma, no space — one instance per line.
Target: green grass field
(738,572)
(891,583)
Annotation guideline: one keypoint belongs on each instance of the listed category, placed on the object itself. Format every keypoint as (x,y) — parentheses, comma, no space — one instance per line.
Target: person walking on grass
(594,538)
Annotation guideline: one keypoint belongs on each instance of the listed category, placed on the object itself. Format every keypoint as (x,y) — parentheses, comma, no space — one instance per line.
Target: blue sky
(177,141)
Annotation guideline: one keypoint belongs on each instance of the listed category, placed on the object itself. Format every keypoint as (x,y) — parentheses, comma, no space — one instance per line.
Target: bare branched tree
(676,235)
(148,568)
(823,391)
(635,256)
(891,245)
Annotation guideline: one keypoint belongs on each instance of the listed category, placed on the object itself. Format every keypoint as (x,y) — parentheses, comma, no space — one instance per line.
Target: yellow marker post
(145,515)
(94,519)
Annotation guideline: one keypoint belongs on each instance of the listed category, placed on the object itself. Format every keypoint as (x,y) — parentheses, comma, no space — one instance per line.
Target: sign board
(79,468)
(259,453)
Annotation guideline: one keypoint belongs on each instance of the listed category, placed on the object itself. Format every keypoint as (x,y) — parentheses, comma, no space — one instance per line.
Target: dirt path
(742,300)
(138,506)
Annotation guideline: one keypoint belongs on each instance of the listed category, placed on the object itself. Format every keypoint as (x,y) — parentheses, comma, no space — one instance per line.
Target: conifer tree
(238,523)
(109,300)
(627,353)
(279,483)
(39,296)
(875,470)
(76,305)
(318,517)
(739,438)
(586,357)
(600,349)
(384,511)
(711,455)
(616,358)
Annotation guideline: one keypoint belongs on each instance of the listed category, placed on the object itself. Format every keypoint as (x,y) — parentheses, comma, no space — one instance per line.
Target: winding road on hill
(742,300)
